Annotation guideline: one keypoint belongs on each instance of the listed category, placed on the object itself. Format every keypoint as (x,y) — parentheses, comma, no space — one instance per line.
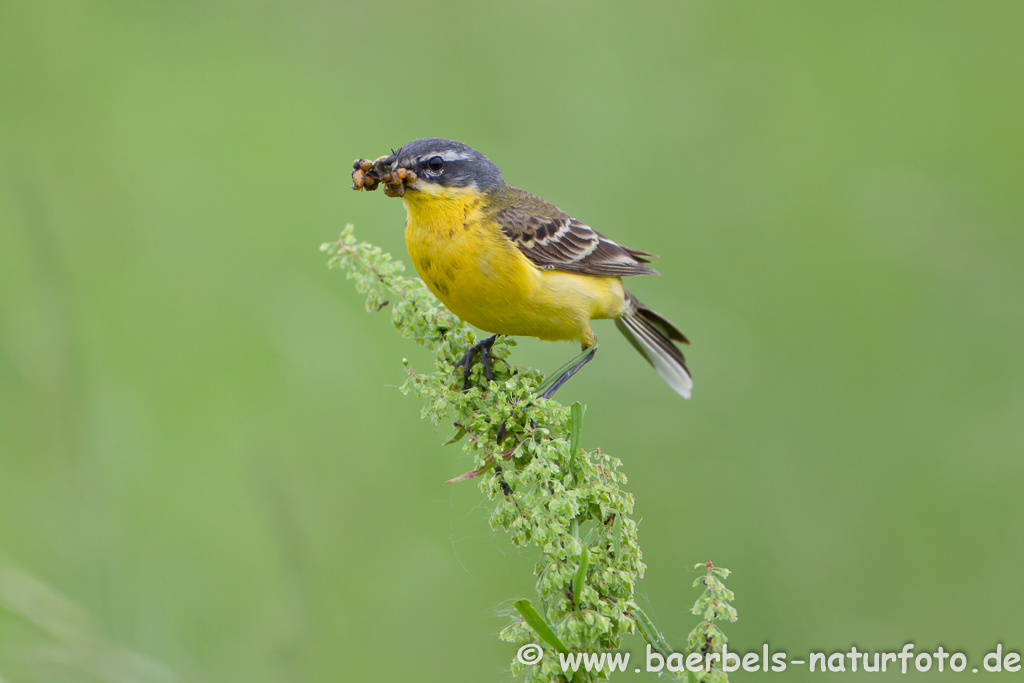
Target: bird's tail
(653,337)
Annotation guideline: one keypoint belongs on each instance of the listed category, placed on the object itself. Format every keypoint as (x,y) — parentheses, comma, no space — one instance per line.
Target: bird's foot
(547,390)
(466,362)
(499,436)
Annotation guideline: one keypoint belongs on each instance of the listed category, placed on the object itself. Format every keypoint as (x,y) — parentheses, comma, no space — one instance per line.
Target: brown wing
(564,243)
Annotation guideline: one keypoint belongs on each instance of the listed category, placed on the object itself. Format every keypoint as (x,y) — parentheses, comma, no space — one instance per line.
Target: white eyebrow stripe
(450,155)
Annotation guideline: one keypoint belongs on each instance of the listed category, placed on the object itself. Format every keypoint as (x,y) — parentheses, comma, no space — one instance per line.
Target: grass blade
(650,632)
(539,625)
(580,576)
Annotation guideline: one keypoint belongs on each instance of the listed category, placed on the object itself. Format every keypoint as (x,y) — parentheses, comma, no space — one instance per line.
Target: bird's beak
(383,166)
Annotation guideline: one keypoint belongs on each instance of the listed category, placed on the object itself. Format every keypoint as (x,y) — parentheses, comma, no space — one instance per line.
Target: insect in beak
(368,175)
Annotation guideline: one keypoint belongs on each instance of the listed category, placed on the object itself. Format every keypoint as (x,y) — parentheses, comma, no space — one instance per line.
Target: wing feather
(561,242)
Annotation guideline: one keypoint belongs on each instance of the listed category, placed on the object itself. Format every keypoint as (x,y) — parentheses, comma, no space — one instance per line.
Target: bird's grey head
(448,163)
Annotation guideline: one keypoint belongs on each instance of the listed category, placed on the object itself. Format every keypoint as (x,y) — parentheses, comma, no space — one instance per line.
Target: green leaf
(650,632)
(455,439)
(580,576)
(539,625)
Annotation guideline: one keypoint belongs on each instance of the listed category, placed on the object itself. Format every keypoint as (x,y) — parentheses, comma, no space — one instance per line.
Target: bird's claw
(466,362)
(499,436)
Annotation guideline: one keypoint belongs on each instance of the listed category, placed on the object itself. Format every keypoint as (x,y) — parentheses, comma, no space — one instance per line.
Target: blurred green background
(204,461)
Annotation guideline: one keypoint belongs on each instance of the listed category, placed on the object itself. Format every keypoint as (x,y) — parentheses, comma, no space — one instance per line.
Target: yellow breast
(482,277)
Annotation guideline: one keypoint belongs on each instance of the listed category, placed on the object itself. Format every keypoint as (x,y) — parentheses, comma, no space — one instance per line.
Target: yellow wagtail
(513,264)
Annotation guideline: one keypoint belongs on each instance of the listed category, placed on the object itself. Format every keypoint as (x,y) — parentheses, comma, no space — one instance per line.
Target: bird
(511,263)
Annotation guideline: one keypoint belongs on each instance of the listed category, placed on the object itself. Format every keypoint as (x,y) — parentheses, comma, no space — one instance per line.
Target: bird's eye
(435,163)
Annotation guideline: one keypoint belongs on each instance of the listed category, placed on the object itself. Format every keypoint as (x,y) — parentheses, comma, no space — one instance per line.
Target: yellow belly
(485,280)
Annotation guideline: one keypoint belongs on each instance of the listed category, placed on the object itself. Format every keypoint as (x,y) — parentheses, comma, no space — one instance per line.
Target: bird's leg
(466,362)
(485,356)
(564,377)
(585,357)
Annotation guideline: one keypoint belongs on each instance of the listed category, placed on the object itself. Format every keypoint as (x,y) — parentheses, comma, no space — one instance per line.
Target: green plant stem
(547,489)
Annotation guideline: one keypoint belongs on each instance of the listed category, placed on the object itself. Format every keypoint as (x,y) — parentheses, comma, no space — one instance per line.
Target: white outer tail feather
(656,347)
